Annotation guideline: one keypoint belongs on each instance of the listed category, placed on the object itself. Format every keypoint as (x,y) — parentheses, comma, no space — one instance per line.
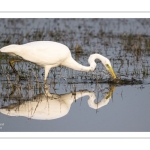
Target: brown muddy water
(79,101)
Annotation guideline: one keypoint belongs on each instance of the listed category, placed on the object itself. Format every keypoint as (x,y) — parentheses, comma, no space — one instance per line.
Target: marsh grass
(128,52)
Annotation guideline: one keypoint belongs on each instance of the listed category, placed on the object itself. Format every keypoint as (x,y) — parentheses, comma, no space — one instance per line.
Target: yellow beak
(111,71)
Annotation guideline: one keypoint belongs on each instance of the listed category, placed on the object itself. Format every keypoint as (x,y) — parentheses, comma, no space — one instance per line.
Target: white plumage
(50,54)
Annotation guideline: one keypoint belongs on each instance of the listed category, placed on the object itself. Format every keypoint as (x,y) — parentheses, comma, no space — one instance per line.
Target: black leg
(12,65)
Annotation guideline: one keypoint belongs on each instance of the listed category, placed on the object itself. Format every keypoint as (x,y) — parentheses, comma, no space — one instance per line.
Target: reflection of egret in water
(44,107)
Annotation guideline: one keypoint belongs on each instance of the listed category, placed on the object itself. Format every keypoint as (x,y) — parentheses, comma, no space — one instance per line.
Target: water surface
(79,103)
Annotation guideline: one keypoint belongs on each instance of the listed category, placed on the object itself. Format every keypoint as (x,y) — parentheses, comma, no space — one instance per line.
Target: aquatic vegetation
(126,50)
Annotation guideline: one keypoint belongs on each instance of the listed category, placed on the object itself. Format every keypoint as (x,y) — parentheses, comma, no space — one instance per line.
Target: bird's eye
(107,66)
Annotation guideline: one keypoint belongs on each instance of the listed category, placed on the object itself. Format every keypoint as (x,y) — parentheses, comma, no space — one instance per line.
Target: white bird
(49,54)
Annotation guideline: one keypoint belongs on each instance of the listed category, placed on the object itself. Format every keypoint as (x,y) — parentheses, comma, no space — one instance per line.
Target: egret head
(108,66)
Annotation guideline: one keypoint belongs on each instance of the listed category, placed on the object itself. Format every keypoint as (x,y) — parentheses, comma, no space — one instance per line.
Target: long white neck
(71,63)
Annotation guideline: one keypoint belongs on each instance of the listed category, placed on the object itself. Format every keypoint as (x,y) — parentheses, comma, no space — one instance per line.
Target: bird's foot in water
(47,92)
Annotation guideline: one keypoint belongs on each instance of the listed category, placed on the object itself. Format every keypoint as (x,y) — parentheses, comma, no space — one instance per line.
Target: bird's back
(45,44)
(40,52)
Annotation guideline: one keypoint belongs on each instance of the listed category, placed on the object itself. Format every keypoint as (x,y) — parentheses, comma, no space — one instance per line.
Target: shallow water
(124,112)
(80,101)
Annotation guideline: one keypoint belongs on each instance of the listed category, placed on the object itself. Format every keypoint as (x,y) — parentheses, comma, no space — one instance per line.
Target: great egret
(49,54)
(43,107)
